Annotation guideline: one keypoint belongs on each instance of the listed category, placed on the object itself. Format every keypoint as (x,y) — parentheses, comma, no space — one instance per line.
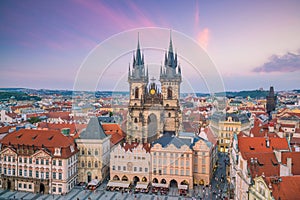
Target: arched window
(135,120)
(89,164)
(82,151)
(89,152)
(136,93)
(96,152)
(169,114)
(169,93)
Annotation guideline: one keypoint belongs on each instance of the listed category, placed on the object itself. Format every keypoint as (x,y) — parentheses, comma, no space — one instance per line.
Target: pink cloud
(203,37)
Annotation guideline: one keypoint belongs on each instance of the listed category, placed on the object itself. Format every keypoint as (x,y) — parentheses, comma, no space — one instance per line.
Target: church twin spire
(168,70)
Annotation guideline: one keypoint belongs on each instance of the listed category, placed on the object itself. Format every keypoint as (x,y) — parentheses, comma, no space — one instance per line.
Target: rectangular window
(9,171)
(13,172)
(54,189)
(37,161)
(124,168)
(30,173)
(4,170)
(141,169)
(182,172)
(113,167)
(187,172)
(59,176)
(20,185)
(203,169)
(134,169)
(47,162)
(47,175)
(54,162)
(119,168)
(176,171)
(37,174)
(4,158)
(30,186)
(25,172)
(42,161)
(59,190)
(187,163)
(25,160)
(25,186)
(182,163)
(54,175)
(146,169)
(203,161)
(20,172)
(30,160)
(9,159)
(60,163)
(20,160)
(171,171)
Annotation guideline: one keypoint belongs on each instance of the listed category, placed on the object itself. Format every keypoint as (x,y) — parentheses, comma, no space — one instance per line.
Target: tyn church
(153,110)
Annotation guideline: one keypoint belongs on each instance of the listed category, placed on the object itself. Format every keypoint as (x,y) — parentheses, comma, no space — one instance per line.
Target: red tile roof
(62,115)
(262,163)
(117,134)
(5,129)
(295,156)
(258,144)
(49,139)
(287,189)
(75,129)
(130,147)
(210,136)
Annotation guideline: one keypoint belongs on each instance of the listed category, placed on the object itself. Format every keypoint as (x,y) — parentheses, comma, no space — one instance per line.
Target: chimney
(267,142)
(271,127)
(278,155)
(289,165)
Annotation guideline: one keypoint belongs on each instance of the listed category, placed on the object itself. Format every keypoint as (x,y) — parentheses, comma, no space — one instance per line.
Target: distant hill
(18,96)
(255,94)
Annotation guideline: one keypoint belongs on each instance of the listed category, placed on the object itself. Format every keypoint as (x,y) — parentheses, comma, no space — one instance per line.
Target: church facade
(153,109)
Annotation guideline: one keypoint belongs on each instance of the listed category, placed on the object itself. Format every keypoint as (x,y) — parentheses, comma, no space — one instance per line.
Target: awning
(124,184)
(182,187)
(93,182)
(142,185)
(161,185)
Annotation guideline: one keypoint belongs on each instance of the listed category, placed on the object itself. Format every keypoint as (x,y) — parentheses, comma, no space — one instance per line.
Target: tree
(34,120)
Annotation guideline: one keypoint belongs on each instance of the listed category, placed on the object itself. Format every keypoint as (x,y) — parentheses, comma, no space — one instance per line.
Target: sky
(253,44)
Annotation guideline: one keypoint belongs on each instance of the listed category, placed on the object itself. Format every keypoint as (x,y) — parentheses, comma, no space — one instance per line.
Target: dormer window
(57,152)
(72,148)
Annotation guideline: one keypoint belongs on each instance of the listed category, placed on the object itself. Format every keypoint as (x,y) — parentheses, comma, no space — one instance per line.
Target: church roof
(94,130)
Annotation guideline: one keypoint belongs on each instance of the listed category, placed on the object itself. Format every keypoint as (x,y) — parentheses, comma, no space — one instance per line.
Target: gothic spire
(138,53)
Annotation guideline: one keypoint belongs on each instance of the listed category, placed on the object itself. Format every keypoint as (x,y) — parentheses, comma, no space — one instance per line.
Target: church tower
(138,80)
(153,108)
(170,78)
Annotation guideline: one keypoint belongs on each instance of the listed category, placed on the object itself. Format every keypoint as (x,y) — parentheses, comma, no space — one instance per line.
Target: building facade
(153,109)
(94,152)
(181,160)
(225,125)
(38,161)
(130,162)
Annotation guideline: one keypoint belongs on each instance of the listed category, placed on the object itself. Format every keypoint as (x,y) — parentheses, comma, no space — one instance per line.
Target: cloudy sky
(253,44)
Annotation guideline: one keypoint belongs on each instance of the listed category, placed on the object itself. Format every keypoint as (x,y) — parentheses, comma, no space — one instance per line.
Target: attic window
(19,136)
(50,138)
(251,148)
(34,137)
